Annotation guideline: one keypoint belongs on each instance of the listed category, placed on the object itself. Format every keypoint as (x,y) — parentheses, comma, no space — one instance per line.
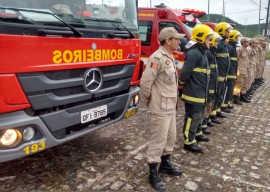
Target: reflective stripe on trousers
(192,123)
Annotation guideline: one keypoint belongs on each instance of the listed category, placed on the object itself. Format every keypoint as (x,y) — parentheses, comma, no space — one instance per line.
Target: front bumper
(47,138)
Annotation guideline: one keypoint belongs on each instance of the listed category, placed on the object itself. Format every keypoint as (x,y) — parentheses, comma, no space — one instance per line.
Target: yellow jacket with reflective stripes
(195,73)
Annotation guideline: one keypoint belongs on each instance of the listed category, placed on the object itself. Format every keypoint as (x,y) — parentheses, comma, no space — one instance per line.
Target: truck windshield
(77,13)
(189,25)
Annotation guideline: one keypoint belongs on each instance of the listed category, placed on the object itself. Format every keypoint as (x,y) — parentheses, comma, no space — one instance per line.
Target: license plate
(94,113)
(130,112)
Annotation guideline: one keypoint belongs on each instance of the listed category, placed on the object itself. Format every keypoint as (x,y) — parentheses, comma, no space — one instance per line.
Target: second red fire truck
(152,20)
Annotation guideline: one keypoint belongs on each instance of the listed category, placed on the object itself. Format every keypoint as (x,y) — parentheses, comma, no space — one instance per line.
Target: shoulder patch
(154,65)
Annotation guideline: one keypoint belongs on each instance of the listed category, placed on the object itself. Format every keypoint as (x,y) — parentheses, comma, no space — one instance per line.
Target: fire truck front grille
(54,90)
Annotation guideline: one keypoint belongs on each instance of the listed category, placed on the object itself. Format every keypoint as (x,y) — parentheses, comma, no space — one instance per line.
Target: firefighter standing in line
(258,82)
(252,67)
(159,91)
(241,84)
(195,76)
(232,73)
(223,62)
(254,85)
(211,55)
(262,57)
(258,79)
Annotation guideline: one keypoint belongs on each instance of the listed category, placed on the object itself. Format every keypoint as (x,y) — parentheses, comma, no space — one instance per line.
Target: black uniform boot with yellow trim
(230,105)
(154,178)
(205,129)
(224,108)
(209,123)
(194,147)
(221,115)
(215,120)
(205,123)
(167,167)
(200,137)
(213,117)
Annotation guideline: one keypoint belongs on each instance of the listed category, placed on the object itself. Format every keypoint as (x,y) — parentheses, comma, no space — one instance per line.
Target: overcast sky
(242,11)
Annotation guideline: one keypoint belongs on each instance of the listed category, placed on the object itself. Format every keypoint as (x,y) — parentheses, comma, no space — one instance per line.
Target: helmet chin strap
(204,46)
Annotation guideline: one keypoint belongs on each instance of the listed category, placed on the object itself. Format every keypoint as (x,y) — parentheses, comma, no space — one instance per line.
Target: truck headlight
(136,100)
(28,133)
(10,137)
(131,103)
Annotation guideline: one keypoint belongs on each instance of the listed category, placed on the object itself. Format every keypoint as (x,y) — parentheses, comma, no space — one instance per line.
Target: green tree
(249,30)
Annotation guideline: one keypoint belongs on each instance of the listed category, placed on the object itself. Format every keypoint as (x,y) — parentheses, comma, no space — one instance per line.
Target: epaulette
(158,55)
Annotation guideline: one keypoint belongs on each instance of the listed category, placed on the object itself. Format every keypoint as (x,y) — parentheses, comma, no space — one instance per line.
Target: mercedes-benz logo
(93,80)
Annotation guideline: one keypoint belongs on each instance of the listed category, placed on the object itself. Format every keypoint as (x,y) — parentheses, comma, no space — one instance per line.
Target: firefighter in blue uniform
(211,55)
(223,62)
(232,73)
(194,77)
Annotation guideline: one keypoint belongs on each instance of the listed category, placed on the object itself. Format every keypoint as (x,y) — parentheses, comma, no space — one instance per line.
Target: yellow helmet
(222,27)
(233,34)
(215,38)
(200,32)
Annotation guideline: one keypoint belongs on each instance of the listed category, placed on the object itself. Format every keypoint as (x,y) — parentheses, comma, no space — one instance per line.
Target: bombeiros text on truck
(67,68)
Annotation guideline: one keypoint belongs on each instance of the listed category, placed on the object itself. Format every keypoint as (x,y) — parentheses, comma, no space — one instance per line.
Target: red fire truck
(67,68)
(152,20)
(213,25)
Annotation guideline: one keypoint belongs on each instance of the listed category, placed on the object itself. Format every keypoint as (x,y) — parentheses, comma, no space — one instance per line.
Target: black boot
(209,123)
(154,178)
(194,147)
(225,110)
(214,119)
(206,131)
(244,99)
(221,115)
(237,100)
(204,123)
(249,94)
(202,138)
(261,80)
(230,106)
(255,86)
(258,82)
(167,167)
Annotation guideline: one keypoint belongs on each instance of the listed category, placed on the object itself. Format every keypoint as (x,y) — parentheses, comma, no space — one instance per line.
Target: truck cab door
(146,36)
